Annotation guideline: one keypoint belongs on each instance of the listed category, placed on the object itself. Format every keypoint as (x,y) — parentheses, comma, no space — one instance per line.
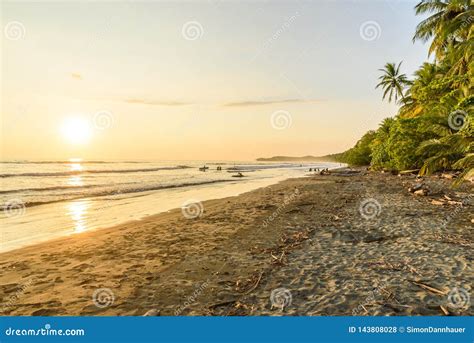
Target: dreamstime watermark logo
(192,209)
(103,120)
(458,298)
(287,200)
(370,30)
(369,208)
(14,298)
(452,214)
(371,298)
(192,298)
(14,208)
(14,30)
(285,26)
(281,120)
(192,30)
(457,120)
(47,330)
(103,297)
(281,297)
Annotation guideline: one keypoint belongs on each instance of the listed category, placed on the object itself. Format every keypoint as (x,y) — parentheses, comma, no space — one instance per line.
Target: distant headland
(308,158)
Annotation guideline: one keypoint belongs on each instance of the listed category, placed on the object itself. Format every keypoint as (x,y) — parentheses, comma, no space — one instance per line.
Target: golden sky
(177,81)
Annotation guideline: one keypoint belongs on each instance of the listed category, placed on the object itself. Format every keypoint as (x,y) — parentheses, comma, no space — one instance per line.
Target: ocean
(48,199)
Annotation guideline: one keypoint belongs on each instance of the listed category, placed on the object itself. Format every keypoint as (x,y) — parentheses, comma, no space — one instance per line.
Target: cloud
(76,76)
(156,102)
(248,103)
(267,102)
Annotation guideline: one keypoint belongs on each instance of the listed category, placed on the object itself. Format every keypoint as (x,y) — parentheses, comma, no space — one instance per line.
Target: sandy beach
(357,244)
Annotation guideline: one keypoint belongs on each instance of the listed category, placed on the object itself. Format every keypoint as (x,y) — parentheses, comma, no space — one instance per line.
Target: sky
(213,80)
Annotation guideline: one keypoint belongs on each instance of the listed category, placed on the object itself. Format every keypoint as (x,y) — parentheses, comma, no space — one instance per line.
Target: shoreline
(69,217)
(173,211)
(304,235)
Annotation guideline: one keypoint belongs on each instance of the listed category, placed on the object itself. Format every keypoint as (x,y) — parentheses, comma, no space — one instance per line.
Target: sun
(76,130)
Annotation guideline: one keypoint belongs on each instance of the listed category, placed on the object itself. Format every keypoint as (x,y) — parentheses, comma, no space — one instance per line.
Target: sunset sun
(76,130)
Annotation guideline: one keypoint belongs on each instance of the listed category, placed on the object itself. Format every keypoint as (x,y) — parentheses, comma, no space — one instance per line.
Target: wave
(115,192)
(70,162)
(54,188)
(97,171)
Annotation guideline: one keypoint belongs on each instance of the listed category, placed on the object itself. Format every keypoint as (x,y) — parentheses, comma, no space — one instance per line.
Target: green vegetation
(434,128)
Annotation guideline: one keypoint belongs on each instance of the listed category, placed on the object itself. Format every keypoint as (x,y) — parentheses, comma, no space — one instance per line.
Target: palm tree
(449,150)
(450,24)
(417,97)
(392,82)
(460,60)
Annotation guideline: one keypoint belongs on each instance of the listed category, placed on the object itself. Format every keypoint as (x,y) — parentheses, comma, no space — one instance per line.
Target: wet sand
(322,245)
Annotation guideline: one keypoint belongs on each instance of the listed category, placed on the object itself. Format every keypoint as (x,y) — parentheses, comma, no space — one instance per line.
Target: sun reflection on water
(75,181)
(75,166)
(78,211)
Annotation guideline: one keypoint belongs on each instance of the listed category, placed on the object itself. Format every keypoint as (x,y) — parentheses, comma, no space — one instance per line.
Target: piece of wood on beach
(456,203)
(278,260)
(437,202)
(422,192)
(429,288)
(411,171)
(445,311)
(415,187)
(448,176)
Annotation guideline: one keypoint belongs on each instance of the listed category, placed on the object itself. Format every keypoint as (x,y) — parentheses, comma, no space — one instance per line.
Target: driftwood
(415,188)
(437,202)
(422,192)
(441,202)
(429,288)
(419,189)
(278,260)
(445,311)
